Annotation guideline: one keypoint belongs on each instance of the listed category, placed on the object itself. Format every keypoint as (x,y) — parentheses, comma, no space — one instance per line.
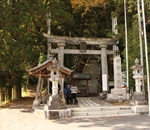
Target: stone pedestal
(138,98)
(118,93)
(55,102)
(57,114)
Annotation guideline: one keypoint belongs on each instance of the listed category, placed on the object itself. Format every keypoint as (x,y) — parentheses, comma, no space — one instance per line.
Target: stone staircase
(92,107)
(103,111)
(92,112)
(93,69)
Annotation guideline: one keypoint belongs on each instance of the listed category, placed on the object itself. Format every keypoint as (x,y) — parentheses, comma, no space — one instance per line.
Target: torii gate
(101,42)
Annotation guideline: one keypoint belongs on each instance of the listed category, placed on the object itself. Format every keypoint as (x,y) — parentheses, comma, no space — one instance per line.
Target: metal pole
(126,39)
(146,54)
(48,44)
(141,46)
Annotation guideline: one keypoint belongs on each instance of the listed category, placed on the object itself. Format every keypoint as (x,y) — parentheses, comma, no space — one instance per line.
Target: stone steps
(92,107)
(91,112)
(104,116)
(93,69)
(94,112)
(91,102)
(102,112)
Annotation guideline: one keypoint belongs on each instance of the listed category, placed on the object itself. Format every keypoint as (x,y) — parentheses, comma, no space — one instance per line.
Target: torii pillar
(61,46)
(61,53)
(104,67)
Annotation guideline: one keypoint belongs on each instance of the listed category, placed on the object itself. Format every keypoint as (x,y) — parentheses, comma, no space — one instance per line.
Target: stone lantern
(138,97)
(54,73)
(55,101)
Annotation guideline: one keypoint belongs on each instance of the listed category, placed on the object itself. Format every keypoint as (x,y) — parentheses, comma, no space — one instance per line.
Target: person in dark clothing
(59,87)
(68,96)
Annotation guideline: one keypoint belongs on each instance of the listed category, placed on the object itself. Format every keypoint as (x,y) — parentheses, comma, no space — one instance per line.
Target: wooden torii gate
(103,43)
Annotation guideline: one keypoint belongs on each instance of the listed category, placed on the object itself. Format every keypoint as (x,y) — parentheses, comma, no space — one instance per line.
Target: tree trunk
(9,93)
(3,95)
(0,96)
(18,92)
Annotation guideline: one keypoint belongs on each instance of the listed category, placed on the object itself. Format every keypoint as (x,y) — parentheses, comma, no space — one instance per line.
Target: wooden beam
(38,87)
(41,87)
(72,51)
(78,40)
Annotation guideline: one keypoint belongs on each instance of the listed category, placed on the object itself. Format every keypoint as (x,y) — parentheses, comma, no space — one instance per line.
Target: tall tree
(21,38)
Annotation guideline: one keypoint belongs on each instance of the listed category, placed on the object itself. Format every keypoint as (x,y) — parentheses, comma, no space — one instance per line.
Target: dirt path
(23,103)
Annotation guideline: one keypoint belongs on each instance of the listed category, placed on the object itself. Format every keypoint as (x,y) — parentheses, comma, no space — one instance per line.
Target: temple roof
(42,69)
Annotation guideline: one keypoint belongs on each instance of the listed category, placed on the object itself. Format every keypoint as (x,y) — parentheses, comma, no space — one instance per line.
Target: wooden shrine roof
(42,70)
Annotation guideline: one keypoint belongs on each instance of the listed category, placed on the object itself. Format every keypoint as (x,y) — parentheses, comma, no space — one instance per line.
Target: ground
(24,103)
(15,116)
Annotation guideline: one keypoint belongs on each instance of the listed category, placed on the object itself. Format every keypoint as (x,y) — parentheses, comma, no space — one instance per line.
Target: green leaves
(21,38)
(23,22)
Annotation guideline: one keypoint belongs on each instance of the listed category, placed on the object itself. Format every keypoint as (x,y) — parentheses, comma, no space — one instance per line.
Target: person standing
(68,98)
(65,94)
(74,90)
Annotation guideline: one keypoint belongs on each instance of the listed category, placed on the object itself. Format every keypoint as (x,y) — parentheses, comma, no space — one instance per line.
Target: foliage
(86,4)
(22,23)
(21,39)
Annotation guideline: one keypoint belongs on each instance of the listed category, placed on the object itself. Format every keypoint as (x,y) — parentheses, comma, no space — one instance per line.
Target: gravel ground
(17,115)
(22,119)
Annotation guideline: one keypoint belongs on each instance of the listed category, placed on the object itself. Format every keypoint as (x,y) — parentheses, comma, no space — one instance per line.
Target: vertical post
(61,53)
(141,46)
(104,66)
(49,23)
(38,87)
(48,44)
(146,54)
(36,102)
(41,87)
(62,88)
(87,84)
(0,96)
(61,62)
(126,39)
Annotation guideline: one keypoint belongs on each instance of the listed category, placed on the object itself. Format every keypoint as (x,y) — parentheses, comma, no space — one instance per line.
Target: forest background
(23,22)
